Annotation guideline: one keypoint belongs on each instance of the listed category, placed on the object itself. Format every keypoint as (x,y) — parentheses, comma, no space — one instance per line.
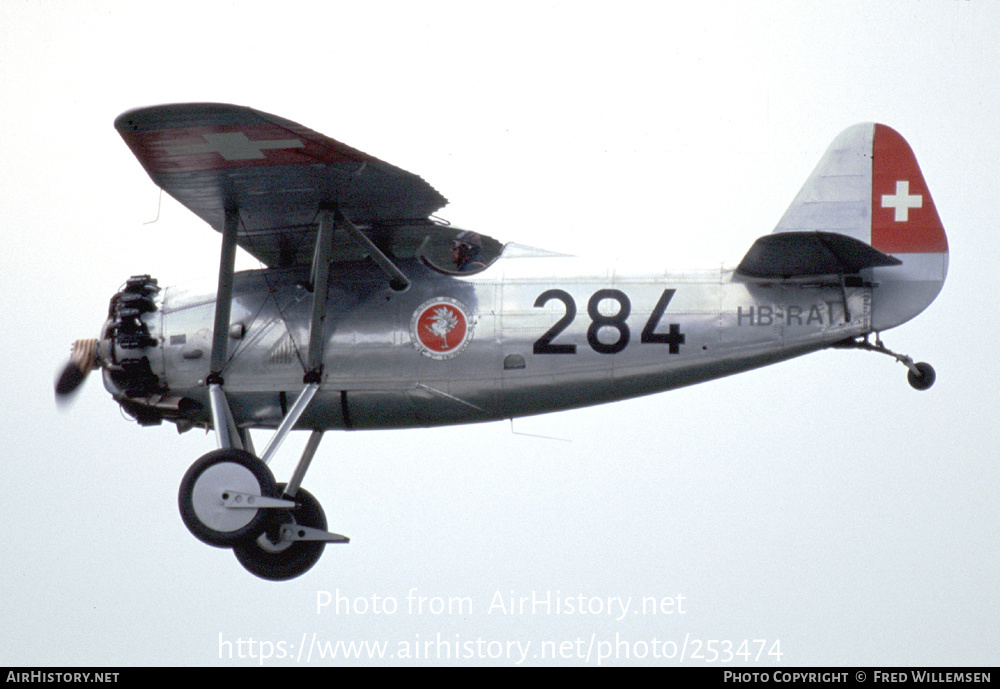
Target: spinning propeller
(81,362)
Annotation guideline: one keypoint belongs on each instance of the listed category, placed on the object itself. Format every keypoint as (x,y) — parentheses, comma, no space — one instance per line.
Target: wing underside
(213,157)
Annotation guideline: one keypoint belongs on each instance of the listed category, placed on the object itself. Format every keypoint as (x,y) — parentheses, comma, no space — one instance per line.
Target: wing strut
(398,281)
(314,374)
(226,432)
(228,435)
(224,296)
(320,275)
(330,219)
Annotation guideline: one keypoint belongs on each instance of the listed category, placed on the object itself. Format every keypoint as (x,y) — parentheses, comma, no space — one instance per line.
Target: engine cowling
(131,350)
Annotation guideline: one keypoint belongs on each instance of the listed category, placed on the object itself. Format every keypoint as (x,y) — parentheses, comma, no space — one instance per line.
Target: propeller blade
(81,362)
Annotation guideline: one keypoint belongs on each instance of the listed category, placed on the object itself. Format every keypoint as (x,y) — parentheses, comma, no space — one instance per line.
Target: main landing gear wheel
(220,478)
(274,555)
(926,377)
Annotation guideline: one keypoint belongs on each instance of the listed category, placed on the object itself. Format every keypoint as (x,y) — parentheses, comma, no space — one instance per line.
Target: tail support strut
(921,375)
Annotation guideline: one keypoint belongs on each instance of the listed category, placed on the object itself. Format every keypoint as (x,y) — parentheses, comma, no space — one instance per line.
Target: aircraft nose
(127,341)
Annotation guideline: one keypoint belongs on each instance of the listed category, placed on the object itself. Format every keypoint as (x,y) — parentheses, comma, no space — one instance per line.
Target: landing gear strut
(920,375)
(229,499)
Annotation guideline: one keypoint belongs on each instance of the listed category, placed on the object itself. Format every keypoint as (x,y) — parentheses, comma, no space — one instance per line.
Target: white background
(821,502)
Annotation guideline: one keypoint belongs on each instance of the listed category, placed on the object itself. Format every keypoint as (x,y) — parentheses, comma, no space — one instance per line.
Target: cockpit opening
(459,252)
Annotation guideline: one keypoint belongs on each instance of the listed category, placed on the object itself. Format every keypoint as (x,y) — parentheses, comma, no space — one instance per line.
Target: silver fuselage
(544,333)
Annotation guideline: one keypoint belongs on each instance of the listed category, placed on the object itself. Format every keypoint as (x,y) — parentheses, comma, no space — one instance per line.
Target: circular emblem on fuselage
(441,328)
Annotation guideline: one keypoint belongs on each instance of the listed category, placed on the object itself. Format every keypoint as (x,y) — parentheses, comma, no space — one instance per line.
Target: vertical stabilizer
(868,186)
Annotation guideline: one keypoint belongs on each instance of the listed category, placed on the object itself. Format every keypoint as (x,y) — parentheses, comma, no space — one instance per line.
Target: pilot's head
(465,248)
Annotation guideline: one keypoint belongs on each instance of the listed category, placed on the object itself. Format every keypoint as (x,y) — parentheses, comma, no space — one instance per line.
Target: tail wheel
(211,483)
(926,377)
(921,375)
(274,557)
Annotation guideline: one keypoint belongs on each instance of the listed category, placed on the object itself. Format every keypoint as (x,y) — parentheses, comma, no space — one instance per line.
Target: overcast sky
(821,503)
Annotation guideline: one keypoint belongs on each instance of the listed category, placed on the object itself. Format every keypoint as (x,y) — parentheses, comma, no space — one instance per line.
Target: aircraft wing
(212,156)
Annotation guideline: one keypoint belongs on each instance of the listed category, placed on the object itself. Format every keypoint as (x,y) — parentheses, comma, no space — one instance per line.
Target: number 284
(674,338)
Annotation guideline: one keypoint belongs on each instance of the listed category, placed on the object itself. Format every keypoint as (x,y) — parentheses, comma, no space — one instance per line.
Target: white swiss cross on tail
(902,201)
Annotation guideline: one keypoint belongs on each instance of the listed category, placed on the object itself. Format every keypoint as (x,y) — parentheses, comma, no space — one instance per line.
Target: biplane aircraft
(370,313)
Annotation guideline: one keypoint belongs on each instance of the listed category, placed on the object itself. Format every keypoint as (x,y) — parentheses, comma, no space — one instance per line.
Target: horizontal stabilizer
(801,254)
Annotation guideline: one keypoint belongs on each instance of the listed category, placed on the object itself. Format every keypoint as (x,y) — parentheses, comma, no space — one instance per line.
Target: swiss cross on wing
(194,149)
(202,148)
(232,146)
